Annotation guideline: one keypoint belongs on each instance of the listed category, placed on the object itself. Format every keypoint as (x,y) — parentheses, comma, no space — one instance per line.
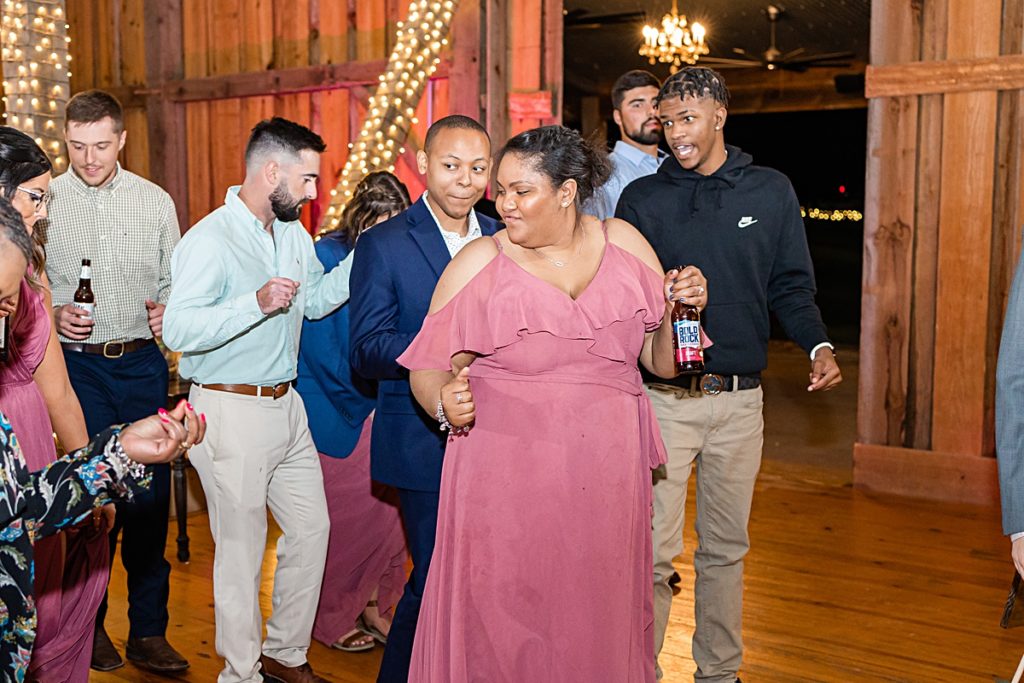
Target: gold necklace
(560,263)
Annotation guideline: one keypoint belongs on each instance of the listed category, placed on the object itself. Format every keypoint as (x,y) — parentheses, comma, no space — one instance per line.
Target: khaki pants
(722,435)
(258,453)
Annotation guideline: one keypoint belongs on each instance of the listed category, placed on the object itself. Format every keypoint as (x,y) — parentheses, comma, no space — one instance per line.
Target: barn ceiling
(600,44)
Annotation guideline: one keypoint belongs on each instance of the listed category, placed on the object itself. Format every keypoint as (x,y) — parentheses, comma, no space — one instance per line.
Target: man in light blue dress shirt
(636,154)
(244,278)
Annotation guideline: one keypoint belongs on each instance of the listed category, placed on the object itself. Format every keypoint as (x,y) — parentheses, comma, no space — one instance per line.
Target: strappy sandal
(350,642)
(369,630)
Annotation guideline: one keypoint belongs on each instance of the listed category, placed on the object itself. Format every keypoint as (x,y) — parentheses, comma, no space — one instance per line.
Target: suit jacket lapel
(427,236)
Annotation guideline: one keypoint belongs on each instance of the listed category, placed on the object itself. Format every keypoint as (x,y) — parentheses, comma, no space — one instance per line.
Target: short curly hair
(697,82)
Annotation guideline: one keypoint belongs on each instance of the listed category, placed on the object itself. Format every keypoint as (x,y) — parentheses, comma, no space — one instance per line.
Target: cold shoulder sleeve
(461,325)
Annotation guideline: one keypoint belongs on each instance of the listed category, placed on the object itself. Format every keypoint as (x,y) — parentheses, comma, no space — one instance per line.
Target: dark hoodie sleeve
(624,208)
(791,286)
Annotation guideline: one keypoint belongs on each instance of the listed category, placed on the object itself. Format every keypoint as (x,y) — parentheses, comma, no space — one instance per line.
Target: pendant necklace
(561,263)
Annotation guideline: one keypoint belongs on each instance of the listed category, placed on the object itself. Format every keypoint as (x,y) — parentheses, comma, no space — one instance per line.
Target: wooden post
(496,70)
(168,162)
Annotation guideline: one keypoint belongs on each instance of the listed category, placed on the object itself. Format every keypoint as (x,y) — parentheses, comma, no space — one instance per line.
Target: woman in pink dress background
(541,571)
(71,567)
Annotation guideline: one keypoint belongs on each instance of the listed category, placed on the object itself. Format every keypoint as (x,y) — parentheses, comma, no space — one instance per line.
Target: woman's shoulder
(627,238)
(464,268)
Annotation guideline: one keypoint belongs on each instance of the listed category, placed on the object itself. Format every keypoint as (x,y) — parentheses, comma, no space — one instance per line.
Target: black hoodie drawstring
(695,195)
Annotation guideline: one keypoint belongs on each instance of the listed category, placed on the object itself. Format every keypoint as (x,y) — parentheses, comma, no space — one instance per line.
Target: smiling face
(30,199)
(637,117)
(93,149)
(693,131)
(529,204)
(457,166)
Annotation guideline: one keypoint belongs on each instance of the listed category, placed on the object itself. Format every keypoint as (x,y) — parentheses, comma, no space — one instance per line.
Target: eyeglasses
(38,198)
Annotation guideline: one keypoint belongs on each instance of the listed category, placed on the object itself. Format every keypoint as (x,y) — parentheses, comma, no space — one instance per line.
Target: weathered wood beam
(934,475)
(168,164)
(1004,72)
(261,83)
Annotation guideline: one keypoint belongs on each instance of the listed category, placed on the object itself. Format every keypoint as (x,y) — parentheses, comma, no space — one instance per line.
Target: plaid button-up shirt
(128,228)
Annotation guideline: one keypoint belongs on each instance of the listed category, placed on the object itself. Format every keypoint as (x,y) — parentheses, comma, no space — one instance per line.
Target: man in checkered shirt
(128,228)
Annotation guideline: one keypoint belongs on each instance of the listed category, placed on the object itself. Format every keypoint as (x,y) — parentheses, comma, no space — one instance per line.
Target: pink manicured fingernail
(161,411)
(189,406)
(202,416)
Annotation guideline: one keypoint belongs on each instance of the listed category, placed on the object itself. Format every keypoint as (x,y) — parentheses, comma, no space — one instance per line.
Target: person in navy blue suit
(366,553)
(395,269)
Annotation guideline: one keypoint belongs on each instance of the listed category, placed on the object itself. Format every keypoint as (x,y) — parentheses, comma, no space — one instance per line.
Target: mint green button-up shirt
(212,316)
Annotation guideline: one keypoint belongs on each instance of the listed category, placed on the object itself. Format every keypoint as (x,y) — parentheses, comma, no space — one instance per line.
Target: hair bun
(562,154)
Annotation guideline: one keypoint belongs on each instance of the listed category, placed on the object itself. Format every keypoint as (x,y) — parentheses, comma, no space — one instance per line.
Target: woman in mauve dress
(71,567)
(366,555)
(542,568)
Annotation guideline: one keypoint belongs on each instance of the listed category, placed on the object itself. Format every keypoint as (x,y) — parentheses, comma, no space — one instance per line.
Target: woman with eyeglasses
(72,567)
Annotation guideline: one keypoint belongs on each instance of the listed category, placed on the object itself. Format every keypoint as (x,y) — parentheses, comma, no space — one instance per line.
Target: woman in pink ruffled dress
(542,567)
(71,567)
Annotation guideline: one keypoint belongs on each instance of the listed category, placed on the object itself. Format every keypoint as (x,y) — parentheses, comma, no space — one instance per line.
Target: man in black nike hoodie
(740,224)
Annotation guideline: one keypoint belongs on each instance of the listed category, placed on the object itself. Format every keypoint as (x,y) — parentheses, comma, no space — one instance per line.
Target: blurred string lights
(392,107)
(35,67)
(834,215)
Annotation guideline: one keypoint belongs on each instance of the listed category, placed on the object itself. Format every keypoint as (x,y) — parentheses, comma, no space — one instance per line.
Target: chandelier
(675,42)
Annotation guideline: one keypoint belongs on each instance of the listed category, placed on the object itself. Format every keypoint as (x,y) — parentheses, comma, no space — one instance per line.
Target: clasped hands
(457,400)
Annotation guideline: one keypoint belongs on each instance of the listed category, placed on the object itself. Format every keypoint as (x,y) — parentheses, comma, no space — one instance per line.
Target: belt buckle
(712,385)
(274,389)
(109,354)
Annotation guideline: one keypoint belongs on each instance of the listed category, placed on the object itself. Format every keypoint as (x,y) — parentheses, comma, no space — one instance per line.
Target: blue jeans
(114,391)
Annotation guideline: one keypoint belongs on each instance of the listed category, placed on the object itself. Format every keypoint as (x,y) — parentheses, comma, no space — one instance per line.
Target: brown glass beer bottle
(686,338)
(84,297)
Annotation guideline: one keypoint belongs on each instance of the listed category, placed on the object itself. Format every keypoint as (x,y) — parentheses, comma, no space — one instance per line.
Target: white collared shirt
(453,240)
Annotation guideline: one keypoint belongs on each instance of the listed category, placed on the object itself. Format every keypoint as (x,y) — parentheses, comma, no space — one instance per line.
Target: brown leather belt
(709,384)
(111,349)
(277,391)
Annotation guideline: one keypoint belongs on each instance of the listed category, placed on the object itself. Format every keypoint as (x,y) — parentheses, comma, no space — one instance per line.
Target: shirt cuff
(815,349)
(1014,537)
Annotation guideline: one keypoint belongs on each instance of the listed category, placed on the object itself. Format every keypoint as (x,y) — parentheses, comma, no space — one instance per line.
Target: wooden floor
(840,585)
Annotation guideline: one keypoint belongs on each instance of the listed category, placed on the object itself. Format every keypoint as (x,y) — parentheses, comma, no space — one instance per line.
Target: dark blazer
(337,401)
(394,272)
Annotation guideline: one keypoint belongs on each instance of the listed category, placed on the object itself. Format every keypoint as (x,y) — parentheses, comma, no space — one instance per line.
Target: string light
(34,45)
(832,214)
(391,110)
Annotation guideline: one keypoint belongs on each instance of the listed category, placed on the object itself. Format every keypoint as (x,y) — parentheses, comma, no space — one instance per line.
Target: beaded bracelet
(445,424)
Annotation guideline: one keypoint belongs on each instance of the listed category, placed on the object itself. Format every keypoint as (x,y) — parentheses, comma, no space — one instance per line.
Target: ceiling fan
(773,58)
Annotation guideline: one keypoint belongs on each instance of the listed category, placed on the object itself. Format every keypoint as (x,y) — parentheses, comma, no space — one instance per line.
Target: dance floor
(841,585)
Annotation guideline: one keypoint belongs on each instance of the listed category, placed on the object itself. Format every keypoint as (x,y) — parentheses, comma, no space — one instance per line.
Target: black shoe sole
(143,663)
(94,667)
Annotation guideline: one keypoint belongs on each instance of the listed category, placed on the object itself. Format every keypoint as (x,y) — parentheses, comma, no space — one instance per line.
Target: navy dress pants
(114,391)
(419,515)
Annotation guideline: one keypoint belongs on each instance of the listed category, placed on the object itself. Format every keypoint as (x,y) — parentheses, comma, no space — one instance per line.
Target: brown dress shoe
(156,654)
(104,654)
(276,672)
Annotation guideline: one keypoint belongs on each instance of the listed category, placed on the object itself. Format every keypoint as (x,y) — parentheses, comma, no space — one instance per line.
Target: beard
(285,207)
(643,136)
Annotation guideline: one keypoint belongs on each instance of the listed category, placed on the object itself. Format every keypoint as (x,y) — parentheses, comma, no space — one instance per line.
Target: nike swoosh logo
(745,221)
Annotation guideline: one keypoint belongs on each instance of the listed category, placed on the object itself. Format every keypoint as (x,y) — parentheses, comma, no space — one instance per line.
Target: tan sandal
(353,641)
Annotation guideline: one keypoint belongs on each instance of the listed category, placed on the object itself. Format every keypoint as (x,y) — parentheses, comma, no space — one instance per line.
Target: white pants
(258,452)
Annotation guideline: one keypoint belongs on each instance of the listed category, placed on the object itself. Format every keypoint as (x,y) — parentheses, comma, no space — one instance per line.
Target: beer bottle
(4,339)
(84,298)
(686,338)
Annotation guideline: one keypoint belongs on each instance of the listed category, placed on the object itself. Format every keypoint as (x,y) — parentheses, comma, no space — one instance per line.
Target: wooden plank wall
(225,37)
(942,233)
